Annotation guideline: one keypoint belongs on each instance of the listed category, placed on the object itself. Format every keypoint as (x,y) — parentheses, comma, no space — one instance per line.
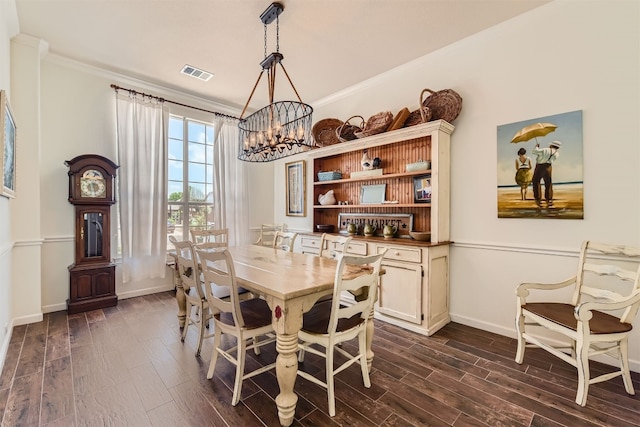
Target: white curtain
(230,184)
(142,128)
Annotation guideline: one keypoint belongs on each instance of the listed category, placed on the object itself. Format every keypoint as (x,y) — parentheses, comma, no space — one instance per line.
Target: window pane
(209,172)
(197,152)
(199,216)
(209,135)
(176,149)
(197,172)
(196,192)
(176,128)
(175,191)
(175,170)
(196,132)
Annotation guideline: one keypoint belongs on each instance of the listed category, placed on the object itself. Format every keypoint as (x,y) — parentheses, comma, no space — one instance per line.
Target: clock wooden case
(92,275)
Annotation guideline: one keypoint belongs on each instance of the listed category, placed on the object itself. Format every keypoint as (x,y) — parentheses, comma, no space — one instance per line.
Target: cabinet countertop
(393,241)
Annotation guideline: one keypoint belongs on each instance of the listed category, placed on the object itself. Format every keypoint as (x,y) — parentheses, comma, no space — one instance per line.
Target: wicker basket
(445,104)
(376,124)
(324,132)
(422,115)
(347,131)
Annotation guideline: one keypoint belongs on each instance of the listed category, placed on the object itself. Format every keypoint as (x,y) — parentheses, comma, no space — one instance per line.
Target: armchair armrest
(583,310)
(522,290)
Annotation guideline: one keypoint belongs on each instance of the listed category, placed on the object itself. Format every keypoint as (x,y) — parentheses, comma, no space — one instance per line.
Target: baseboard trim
(146,291)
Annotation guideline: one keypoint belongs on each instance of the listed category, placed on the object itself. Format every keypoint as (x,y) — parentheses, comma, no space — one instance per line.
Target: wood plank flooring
(126,366)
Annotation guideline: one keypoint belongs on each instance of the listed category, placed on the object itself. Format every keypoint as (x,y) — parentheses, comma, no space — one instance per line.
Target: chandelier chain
(265,40)
(278,34)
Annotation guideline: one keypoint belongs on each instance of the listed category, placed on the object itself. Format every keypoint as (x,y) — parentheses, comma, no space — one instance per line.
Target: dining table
(291,283)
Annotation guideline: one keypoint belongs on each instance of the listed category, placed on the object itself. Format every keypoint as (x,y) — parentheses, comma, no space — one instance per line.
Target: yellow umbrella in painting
(533,131)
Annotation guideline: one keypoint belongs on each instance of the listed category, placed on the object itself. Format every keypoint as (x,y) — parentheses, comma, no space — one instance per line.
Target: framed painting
(7,147)
(296,188)
(540,169)
(422,189)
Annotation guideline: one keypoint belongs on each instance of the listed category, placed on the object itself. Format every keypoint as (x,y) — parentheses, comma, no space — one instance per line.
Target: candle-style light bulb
(300,133)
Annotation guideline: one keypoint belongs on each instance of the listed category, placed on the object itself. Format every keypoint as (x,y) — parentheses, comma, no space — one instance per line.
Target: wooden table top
(282,274)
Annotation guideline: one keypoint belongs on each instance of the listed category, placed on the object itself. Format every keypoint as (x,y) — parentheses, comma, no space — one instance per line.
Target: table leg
(286,372)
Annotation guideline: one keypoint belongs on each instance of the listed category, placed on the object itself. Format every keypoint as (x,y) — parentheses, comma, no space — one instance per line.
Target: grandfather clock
(92,277)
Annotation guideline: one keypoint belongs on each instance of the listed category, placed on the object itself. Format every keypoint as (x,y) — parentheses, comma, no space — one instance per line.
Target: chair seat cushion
(562,314)
(255,312)
(316,320)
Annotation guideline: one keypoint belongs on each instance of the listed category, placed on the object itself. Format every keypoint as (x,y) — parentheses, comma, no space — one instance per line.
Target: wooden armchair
(597,320)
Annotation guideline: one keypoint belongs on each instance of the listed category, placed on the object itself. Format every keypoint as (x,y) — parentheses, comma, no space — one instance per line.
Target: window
(190,175)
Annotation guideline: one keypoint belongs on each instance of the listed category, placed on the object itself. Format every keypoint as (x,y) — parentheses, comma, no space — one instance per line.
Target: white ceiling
(328,45)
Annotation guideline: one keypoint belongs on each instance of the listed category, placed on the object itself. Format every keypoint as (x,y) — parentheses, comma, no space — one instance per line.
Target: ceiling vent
(196,72)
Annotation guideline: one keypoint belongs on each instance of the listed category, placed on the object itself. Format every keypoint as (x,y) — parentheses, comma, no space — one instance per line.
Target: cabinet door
(400,293)
(103,282)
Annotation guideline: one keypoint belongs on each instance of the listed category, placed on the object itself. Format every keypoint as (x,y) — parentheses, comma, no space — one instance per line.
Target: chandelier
(281,128)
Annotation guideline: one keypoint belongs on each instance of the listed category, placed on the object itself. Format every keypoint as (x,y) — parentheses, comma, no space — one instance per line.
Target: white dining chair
(332,245)
(268,232)
(198,313)
(210,239)
(246,320)
(284,240)
(330,323)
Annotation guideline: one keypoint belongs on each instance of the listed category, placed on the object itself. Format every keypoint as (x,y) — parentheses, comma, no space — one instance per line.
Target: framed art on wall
(7,147)
(296,189)
(422,189)
(540,168)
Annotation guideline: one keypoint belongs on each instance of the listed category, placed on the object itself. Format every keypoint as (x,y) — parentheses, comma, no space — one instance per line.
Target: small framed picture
(7,147)
(422,189)
(372,194)
(296,190)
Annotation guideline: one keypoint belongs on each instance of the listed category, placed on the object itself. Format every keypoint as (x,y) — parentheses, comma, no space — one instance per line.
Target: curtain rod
(135,92)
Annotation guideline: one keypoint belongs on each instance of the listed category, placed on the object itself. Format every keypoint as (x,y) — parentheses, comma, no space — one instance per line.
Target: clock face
(93,184)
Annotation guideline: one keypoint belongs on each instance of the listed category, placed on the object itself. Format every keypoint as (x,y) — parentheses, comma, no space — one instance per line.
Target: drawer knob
(397,253)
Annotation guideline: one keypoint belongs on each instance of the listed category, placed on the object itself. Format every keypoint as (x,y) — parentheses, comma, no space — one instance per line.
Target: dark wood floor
(126,366)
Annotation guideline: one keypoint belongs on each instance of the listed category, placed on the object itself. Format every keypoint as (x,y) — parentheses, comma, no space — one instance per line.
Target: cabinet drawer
(401,253)
(357,248)
(310,242)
